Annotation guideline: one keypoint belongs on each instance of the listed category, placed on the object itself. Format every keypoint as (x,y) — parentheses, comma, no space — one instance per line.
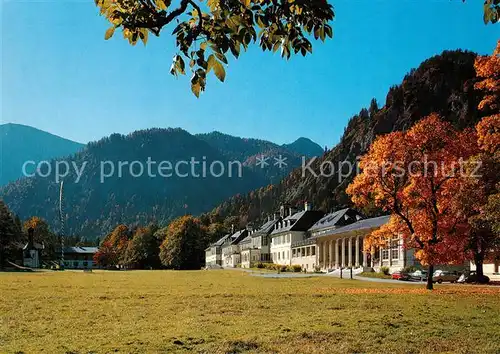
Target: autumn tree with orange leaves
(414,175)
(479,199)
(111,252)
(184,241)
(42,235)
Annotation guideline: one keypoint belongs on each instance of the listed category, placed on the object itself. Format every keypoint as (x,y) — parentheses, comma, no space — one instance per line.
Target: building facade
(315,241)
(292,229)
(213,253)
(80,257)
(231,252)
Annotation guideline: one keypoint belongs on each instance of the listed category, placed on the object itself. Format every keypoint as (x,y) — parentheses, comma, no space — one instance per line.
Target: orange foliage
(414,176)
(488,69)
(488,130)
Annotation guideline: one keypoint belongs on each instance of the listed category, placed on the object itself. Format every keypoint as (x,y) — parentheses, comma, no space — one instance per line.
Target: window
(395,253)
(313,250)
(294,253)
(385,254)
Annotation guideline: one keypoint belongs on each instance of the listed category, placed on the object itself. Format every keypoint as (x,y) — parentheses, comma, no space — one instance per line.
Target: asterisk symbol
(262,161)
(280,162)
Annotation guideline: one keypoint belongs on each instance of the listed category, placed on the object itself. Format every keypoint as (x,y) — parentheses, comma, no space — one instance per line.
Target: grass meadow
(235,312)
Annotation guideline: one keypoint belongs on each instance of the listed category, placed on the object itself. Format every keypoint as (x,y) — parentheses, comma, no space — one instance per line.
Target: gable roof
(219,242)
(81,250)
(336,219)
(300,221)
(236,238)
(266,228)
(363,224)
(247,239)
(35,246)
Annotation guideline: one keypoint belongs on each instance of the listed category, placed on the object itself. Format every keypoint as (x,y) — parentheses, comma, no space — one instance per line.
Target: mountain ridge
(443,84)
(26,143)
(105,194)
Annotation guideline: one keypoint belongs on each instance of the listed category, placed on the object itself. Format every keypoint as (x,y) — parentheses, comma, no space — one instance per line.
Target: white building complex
(313,240)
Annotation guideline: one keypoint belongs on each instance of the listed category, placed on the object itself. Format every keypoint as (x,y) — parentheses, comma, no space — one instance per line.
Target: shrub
(384,270)
(295,268)
(409,269)
(260,265)
(317,269)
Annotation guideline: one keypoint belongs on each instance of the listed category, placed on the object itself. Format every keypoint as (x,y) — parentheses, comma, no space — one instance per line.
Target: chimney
(250,227)
(232,229)
(307,206)
(31,244)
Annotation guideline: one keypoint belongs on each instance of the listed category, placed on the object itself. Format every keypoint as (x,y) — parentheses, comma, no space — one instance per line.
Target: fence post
(351,272)
(340,272)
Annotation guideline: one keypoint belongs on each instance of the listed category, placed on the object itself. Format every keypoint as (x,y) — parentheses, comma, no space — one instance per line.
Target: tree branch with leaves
(206,32)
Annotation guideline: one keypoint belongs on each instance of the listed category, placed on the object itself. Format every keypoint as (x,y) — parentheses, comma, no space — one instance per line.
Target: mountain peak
(305,147)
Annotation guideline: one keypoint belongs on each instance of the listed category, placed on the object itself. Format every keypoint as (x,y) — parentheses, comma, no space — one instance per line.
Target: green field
(233,312)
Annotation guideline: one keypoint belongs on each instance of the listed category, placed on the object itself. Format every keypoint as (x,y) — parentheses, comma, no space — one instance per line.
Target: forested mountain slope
(442,84)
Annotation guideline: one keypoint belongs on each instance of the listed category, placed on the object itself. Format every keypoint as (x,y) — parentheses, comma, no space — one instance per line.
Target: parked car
(418,275)
(400,275)
(471,277)
(440,276)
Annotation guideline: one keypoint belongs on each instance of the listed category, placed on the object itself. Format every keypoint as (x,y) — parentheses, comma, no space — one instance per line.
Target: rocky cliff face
(442,84)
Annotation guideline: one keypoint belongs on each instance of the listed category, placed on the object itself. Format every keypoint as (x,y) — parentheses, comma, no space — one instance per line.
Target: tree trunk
(430,284)
(479,260)
(480,273)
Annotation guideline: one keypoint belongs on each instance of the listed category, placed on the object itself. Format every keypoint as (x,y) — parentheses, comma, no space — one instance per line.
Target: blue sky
(60,75)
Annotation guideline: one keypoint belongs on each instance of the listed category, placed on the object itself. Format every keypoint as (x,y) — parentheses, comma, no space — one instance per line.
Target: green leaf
(161,4)
(196,88)
(211,62)
(221,57)
(329,31)
(260,23)
(235,49)
(486,16)
(179,62)
(276,46)
(219,71)
(109,33)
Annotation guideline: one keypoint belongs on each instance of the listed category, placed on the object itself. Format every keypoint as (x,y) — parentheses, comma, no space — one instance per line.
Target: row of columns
(329,257)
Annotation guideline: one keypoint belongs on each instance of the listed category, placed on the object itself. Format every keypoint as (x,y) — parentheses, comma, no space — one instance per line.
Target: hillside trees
(443,84)
(480,198)
(42,235)
(414,176)
(180,245)
(143,249)
(10,233)
(184,242)
(111,252)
